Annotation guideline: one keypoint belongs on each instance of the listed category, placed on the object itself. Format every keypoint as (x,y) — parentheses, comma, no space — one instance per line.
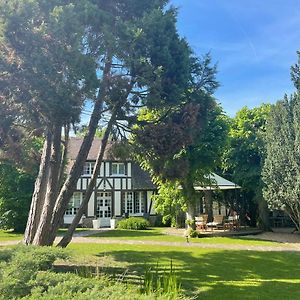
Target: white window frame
(118,172)
(103,204)
(134,203)
(128,204)
(88,168)
(74,205)
(139,202)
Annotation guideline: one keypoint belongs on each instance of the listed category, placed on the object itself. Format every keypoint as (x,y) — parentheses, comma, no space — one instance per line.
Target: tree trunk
(75,173)
(83,206)
(190,215)
(64,156)
(208,205)
(190,196)
(39,192)
(42,233)
(264,221)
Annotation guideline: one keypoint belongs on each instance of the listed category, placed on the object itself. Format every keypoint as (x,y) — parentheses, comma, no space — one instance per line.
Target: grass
(8,235)
(62,231)
(204,273)
(159,234)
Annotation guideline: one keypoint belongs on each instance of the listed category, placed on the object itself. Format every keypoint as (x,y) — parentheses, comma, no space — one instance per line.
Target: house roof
(141,179)
(216,182)
(75,144)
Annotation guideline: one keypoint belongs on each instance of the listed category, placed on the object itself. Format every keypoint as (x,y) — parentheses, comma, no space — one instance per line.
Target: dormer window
(88,168)
(118,169)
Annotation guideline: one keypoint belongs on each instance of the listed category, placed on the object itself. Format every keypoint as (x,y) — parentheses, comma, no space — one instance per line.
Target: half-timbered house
(122,188)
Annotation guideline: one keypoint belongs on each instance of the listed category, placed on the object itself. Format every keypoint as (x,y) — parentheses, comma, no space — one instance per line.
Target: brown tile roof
(140,179)
(75,144)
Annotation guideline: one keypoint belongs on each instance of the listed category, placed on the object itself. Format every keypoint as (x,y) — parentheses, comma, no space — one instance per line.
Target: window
(88,168)
(129,202)
(103,205)
(74,204)
(134,203)
(118,169)
(139,203)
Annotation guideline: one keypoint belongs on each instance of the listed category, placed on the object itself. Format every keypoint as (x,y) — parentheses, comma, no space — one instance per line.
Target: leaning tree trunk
(47,232)
(76,170)
(69,186)
(83,206)
(42,233)
(39,192)
(64,156)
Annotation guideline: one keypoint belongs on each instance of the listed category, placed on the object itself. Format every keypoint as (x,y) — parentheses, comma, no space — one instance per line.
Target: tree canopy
(244,156)
(281,173)
(181,146)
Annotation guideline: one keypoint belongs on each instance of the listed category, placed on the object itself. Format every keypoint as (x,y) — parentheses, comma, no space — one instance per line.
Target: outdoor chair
(201,222)
(232,223)
(217,223)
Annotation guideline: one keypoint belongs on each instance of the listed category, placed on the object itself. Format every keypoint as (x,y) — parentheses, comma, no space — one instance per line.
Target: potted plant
(113,223)
(96,223)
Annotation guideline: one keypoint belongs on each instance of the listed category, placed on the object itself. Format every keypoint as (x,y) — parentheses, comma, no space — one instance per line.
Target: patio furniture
(233,223)
(218,222)
(201,222)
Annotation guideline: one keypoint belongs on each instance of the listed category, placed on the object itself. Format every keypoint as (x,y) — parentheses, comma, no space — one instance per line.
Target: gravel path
(289,242)
(283,247)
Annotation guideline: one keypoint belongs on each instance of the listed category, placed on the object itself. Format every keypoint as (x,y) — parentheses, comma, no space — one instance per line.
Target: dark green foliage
(243,159)
(295,73)
(134,223)
(16,189)
(46,62)
(281,170)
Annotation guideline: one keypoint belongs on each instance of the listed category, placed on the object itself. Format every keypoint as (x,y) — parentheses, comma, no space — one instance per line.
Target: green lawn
(159,234)
(8,235)
(204,273)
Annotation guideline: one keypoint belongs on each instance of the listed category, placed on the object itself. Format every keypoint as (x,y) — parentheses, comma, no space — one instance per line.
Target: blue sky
(254,43)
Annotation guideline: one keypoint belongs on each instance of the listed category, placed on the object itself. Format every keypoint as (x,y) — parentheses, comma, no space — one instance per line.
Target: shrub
(134,223)
(49,285)
(22,266)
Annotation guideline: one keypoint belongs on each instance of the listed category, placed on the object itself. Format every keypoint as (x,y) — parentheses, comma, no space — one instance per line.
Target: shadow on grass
(217,274)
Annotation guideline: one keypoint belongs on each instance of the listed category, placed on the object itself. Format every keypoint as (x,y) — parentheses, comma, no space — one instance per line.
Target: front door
(103,208)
